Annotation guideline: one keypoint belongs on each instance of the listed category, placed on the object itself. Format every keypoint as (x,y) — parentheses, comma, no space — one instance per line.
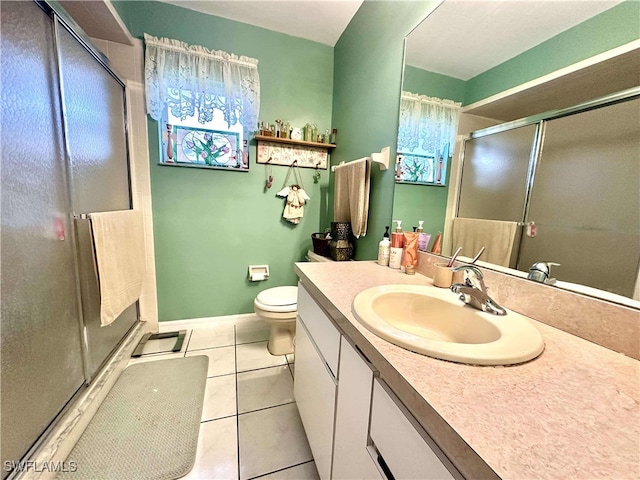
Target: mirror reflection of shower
(576,178)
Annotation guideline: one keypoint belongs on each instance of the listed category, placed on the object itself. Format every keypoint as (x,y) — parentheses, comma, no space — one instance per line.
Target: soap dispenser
(384,248)
(423,238)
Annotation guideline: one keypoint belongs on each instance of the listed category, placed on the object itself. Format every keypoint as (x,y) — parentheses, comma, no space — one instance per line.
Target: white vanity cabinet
(314,388)
(332,389)
(350,417)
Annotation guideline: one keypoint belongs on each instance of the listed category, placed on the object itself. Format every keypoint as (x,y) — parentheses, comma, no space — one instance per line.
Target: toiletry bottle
(395,252)
(383,249)
(437,244)
(423,238)
(410,254)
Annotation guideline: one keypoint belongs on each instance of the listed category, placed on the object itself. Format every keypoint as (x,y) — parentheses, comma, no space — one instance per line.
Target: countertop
(573,412)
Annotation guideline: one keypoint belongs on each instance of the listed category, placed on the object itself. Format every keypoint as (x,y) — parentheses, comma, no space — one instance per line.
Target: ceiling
(463,38)
(320,21)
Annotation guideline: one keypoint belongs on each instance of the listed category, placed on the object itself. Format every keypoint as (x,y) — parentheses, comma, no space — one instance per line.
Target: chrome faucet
(473,295)
(541,271)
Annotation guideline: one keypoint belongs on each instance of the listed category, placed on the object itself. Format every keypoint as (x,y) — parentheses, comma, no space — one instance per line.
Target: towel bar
(381,158)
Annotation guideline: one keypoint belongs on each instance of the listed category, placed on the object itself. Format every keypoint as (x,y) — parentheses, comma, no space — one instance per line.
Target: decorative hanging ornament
(269,182)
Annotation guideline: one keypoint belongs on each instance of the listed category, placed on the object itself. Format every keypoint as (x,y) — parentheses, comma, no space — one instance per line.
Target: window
(211,143)
(426,138)
(206,102)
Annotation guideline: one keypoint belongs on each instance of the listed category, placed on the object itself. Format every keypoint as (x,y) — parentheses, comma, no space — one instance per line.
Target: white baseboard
(172,325)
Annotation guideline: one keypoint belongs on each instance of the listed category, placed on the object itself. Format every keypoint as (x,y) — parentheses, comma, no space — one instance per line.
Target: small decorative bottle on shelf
(334,134)
(169,143)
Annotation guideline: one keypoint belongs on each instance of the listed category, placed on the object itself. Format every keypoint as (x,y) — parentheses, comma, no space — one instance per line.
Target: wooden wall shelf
(302,143)
(283,151)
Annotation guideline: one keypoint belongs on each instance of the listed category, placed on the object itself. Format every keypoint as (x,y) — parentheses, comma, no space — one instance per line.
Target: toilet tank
(314,257)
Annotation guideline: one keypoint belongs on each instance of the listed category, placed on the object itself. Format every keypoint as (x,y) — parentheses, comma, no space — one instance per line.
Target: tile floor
(250,424)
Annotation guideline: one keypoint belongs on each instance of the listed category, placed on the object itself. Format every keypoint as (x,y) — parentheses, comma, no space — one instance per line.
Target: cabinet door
(352,414)
(320,328)
(314,389)
(407,453)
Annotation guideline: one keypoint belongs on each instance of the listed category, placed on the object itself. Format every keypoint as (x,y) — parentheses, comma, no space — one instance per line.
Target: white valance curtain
(428,123)
(189,77)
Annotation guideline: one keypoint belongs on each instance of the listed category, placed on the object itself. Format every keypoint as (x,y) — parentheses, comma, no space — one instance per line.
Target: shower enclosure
(64,154)
(576,175)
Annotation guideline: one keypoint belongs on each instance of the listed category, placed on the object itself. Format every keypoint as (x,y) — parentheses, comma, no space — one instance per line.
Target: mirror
(496,59)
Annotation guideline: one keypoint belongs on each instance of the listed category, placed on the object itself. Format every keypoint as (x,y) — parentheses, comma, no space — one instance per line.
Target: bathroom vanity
(341,449)
(374,410)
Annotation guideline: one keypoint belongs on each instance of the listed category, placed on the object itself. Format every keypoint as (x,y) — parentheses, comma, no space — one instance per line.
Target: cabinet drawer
(315,392)
(321,329)
(404,450)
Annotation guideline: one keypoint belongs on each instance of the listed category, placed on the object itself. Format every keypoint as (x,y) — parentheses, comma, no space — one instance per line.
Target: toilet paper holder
(258,273)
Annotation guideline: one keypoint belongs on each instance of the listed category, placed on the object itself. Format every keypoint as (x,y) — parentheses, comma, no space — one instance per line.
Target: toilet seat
(278,299)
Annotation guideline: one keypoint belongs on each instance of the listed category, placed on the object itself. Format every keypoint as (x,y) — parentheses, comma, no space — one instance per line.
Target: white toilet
(278,307)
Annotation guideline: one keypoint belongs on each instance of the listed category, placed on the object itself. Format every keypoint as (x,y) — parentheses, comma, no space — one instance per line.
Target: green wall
(366,99)
(423,82)
(612,28)
(210,225)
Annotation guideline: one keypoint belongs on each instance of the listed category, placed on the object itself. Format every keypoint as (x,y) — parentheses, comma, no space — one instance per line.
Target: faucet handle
(476,272)
(471,268)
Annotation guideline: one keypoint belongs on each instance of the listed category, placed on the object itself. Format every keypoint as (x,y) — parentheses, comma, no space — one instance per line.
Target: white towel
(351,197)
(497,236)
(118,239)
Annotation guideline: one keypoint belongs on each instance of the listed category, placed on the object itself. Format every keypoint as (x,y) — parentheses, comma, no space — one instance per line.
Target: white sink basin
(432,321)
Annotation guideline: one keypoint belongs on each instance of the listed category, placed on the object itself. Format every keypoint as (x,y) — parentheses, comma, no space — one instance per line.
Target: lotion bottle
(423,238)
(384,248)
(395,252)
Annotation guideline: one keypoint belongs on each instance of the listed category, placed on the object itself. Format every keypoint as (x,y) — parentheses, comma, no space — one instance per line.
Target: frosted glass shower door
(41,350)
(495,178)
(494,175)
(99,171)
(586,199)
